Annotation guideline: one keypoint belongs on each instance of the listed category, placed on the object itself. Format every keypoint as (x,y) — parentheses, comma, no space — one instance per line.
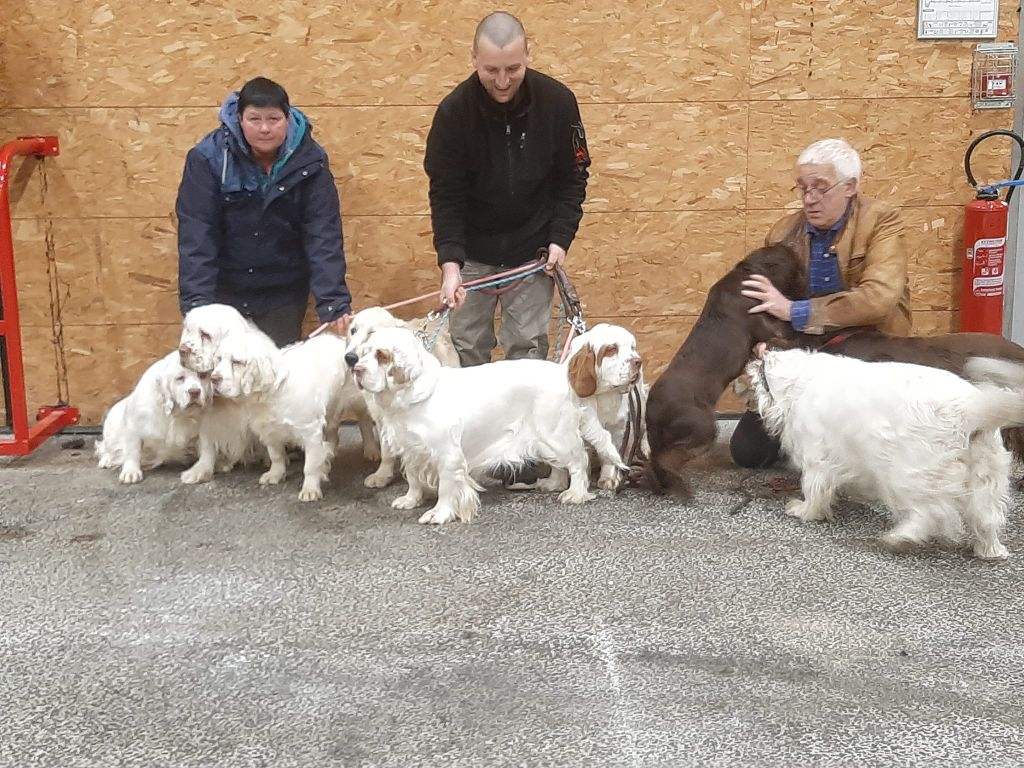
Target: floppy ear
(398,374)
(259,374)
(163,392)
(583,372)
(394,373)
(404,366)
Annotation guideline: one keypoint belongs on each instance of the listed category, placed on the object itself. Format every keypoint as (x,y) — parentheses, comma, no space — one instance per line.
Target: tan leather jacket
(872,257)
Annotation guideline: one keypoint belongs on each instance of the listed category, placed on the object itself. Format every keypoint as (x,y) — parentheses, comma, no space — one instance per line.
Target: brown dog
(681,421)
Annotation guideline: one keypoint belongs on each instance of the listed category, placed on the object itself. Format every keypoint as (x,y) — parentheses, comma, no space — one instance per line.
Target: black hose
(977,141)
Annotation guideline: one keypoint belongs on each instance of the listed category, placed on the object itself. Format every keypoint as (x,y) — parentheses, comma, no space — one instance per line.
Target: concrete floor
(229,625)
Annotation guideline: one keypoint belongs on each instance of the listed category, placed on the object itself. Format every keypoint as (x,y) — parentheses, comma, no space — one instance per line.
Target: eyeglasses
(814,194)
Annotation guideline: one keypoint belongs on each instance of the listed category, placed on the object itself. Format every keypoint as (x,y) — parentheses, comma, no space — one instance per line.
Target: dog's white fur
(449,425)
(203,330)
(294,396)
(363,325)
(157,423)
(922,441)
(990,370)
(603,368)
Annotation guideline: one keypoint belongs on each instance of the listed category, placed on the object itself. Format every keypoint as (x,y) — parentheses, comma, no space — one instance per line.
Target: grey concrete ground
(229,625)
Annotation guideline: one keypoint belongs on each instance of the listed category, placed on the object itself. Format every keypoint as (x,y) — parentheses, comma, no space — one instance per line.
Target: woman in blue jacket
(259,220)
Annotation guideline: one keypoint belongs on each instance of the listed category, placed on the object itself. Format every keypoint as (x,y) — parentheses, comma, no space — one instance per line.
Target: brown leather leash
(629,453)
(572,306)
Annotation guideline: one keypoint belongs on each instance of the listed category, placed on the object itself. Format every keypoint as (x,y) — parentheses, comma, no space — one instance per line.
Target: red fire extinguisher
(983,272)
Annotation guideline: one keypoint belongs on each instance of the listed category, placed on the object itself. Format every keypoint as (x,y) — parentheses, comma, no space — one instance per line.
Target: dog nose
(194,393)
(351,358)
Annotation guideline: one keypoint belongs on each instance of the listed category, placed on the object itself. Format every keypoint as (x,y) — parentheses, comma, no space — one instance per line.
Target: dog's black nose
(351,358)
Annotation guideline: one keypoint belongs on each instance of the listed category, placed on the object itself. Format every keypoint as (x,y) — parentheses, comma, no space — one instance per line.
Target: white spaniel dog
(294,396)
(366,321)
(202,332)
(157,423)
(922,441)
(606,373)
(364,324)
(448,425)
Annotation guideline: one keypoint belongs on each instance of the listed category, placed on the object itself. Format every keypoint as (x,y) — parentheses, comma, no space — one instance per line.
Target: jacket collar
(842,244)
(492,110)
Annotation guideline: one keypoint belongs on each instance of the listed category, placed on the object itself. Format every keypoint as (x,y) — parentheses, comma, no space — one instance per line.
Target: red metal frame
(51,419)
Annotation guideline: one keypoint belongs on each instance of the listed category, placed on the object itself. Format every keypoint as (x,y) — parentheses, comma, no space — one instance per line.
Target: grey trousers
(525,318)
(283,325)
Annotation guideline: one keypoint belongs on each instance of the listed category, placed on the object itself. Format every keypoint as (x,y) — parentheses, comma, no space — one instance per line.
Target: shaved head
(501,29)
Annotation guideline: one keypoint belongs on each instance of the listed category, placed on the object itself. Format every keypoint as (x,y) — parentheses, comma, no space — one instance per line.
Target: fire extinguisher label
(988,256)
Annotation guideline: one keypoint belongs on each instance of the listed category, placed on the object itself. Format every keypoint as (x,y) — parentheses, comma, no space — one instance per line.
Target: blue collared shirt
(823,275)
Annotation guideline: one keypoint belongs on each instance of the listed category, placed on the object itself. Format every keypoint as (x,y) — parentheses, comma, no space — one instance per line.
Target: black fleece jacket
(506,180)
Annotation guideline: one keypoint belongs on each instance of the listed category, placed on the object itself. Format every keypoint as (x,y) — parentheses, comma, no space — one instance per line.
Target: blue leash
(429,344)
(509,279)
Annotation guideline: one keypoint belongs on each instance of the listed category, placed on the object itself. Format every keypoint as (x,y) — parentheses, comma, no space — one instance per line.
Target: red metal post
(51,419)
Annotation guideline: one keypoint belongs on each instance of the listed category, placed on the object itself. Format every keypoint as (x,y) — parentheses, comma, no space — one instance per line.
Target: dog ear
(393,370)
(407,364)
(260,374)
(398,375)
(164,394)
(583,372)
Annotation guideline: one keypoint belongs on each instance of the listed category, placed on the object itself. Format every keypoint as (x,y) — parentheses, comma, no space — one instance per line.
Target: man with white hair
(507,161)
(856,260)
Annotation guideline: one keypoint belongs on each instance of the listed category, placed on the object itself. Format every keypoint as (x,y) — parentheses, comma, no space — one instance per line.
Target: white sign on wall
(937,19)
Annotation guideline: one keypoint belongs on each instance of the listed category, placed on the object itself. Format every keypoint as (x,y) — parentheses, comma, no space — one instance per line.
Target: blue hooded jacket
(254,240)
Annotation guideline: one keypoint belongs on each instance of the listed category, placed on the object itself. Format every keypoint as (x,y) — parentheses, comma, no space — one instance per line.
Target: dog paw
(371,452)
(196,475)
(550,484)
(405,502)
(271,477)
(800,509)
(378,480)
(610,481)
(224,467)
(130,475)
(572,497)
(795,507)
(897,543)
(436,516)
(991,551)
(310,492)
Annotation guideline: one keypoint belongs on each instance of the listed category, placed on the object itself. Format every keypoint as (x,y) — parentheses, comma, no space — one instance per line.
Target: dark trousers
(283,325)
(751,446)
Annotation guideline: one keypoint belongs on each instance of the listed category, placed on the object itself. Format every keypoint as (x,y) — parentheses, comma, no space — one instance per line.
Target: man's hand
(770,300)
(452,293)
(340,326)
(556,256)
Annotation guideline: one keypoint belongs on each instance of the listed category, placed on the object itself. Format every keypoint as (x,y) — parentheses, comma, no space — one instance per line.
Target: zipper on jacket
(508,149)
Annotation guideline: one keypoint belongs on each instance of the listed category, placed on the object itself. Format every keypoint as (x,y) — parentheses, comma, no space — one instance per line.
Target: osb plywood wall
(694,111)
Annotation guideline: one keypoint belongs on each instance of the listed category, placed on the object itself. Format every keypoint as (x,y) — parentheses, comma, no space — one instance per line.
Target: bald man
(507,161)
